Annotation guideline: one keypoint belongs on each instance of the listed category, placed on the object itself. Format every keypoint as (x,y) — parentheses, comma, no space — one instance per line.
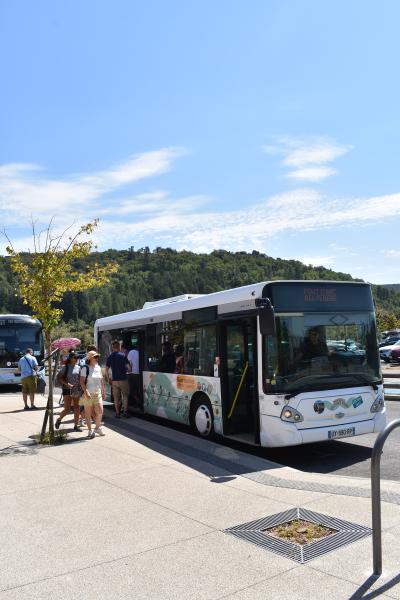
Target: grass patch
(299,531)
(60,437)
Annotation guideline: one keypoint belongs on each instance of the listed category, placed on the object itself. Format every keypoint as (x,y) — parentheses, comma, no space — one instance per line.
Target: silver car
(385,351)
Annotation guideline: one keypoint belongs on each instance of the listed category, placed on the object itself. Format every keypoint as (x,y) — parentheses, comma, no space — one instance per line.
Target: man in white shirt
(134,377)
(27,366)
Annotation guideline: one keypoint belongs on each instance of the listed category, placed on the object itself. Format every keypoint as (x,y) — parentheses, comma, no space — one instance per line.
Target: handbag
(40,384)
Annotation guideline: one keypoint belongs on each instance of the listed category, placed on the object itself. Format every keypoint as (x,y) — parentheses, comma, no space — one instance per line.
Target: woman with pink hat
(92,384)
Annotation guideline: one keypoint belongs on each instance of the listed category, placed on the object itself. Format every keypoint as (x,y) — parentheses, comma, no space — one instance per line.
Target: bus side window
(271,360)
(200,347)
(190,356)
(152,354)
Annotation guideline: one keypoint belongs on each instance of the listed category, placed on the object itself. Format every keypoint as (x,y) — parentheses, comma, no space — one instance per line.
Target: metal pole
(376,495)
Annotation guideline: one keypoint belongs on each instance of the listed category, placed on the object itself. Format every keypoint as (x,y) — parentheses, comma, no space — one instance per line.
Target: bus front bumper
(9,378)
(276,433)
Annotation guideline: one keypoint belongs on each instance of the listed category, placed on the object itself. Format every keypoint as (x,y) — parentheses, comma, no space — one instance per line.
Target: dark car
(394,356)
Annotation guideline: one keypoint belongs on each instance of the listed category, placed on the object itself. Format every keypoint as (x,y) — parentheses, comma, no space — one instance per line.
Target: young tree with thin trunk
(46,274)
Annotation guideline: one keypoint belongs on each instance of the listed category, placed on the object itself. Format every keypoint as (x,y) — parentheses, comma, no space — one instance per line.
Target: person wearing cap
(93,394)
(71,389)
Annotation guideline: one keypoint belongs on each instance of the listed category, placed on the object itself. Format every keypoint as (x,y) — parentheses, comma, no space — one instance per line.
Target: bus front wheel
(202,416)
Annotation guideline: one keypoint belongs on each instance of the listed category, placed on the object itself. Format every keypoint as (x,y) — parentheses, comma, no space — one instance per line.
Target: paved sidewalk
(141,514)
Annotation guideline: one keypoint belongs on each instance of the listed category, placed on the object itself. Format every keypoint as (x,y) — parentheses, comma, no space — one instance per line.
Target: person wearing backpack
(69,378)
(92,384)
(27,366)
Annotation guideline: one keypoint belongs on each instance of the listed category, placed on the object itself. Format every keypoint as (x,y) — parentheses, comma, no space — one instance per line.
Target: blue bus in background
(17,333)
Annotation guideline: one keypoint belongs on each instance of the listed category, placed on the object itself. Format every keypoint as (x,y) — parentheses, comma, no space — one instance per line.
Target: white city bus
(250,368)
(17,333)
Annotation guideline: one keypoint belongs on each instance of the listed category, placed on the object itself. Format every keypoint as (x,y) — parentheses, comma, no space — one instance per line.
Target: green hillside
(392,286)
(152,275)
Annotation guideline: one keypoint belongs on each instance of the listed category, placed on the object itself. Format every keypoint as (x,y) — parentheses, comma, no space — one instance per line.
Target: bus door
(239,381)
(135,338)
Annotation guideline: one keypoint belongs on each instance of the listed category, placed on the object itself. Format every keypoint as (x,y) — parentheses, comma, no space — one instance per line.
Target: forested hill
(393,286)
(152,275)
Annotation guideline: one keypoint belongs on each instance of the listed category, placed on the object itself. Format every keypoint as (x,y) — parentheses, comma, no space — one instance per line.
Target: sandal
(57,424)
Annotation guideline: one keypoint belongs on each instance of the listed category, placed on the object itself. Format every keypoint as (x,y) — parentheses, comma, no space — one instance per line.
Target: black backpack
(87,372)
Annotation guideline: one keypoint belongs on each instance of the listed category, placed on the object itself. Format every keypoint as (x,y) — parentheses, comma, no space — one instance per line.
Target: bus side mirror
(267,316)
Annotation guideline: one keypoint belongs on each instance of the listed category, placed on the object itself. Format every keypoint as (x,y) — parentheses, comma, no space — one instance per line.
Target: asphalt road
(350,456)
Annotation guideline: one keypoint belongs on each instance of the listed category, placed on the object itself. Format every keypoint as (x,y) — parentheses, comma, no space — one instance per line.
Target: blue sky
(266,125)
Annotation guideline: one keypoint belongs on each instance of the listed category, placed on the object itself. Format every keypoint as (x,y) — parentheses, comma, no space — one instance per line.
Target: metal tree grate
(346,533)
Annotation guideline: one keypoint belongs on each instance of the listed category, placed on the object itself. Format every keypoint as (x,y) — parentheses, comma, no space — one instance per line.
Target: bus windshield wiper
(319,385)
(307,386)
(364,379)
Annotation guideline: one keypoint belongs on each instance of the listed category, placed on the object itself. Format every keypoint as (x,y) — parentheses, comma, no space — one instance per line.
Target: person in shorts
(71,389)
(27,366)
(93,392)
(120,366)
(82,363)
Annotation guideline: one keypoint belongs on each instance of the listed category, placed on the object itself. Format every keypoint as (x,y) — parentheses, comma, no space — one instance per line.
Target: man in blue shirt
(27,366)
(120,367)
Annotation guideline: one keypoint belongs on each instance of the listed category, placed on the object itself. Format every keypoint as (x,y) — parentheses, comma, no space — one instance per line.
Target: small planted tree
(46,274)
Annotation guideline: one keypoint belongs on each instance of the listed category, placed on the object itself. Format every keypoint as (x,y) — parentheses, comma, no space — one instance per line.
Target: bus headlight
(378,405)
(291,414)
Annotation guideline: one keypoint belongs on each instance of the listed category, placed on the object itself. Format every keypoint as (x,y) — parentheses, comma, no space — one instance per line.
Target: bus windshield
(15,339)
(314,351)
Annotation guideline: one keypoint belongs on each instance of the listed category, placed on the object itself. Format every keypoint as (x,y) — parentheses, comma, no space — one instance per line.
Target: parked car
(389,341)
(385,351)
(348,351)
(394,355)
(391,333)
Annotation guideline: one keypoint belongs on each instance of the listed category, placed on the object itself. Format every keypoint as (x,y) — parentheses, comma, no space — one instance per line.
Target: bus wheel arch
(201,415)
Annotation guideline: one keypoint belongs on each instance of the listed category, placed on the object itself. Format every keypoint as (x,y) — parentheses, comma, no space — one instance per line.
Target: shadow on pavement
(185,449)
(363,594)
(324,457)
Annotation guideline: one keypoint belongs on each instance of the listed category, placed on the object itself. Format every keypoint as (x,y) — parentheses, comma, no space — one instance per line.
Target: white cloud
(152,202)
(301,153)
(317,261)
(157,217)
(24,189)
(308,157)
(311,174)
(391,253)
(254,227)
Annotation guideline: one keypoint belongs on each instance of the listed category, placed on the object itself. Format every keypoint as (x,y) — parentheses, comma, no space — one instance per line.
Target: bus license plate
(340,433)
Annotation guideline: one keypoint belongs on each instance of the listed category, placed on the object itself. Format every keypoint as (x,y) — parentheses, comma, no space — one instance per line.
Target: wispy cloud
(308,158)
(317,261)
(152,202)
(391,253)
(256,227)
(314,174)
(158,217)
(25,189)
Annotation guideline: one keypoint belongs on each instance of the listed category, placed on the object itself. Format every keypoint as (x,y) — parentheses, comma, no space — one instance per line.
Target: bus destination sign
(325,294)
(289,296)
(8,322)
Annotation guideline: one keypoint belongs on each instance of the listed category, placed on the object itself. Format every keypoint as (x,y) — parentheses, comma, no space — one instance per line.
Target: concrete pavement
(141,514)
